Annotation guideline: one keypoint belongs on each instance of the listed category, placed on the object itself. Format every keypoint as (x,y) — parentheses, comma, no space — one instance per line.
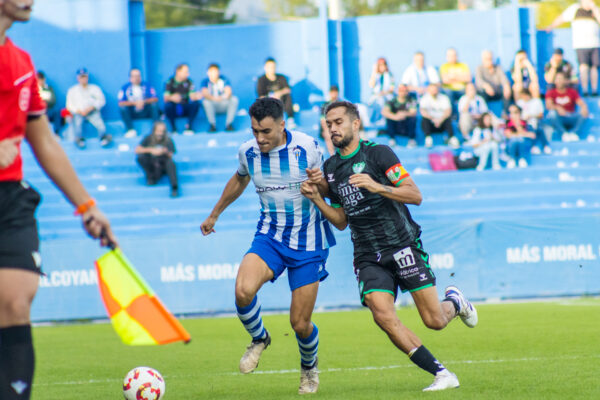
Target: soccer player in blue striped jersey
(291,233)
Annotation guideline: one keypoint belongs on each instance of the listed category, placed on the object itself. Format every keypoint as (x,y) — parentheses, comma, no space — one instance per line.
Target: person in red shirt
(22,116)
(561,103)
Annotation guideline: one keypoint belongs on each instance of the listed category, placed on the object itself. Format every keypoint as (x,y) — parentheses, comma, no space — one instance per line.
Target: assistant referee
(22,116)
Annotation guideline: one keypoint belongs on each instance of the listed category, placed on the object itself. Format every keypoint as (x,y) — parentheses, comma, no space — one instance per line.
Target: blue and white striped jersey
(286,215)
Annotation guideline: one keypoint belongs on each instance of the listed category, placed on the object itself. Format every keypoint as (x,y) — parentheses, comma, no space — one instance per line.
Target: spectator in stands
(137,99)
(84,102)
(556,64)
(524,75)
(436,111)
(401,116)
(334,95)
(276,85)
(561,103)
(181,100)
(418,76)
(381,83)
(471,107)
(49,97)
(455,75)
(532,111)
(486,141)
(218,98)
(585,28)
(520,138)
(491,82)
(155,156)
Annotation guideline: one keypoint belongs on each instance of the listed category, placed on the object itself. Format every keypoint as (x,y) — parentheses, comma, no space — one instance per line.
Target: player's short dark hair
(270,59)
(526,92)
(350,108)
(41,75)
(213,65)
(334,88)
(266,107)
(181,65)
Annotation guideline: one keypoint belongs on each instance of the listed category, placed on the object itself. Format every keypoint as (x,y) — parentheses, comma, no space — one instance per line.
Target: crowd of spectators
(455,98)
(451,101)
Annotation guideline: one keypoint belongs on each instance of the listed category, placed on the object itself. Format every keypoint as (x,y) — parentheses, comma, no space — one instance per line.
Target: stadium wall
(491,259)
(108,36)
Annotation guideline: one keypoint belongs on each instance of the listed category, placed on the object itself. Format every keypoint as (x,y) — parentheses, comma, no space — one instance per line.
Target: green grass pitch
(544,350)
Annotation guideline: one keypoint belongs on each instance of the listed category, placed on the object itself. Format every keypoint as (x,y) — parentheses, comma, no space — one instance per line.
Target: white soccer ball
(143,383)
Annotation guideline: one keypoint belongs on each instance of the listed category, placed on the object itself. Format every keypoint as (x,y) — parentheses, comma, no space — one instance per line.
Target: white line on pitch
(367,368)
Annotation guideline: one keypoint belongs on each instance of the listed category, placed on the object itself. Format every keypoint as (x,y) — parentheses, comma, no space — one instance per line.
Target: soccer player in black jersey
(369,189)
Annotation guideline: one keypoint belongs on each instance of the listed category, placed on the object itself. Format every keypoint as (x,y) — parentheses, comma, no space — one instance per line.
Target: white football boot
(466,311)
(443,380)
(309,379)
(250,359)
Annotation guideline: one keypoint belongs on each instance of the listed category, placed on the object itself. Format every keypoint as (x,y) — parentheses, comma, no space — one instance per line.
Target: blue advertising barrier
(196,274)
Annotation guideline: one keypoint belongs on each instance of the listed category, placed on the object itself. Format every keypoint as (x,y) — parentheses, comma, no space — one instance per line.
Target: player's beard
(344,141)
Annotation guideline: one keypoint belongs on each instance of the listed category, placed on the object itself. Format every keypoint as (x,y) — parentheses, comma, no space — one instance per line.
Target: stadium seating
(561,184)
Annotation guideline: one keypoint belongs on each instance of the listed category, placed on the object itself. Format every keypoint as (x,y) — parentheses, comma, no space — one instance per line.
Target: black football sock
(16,362)
(424,359)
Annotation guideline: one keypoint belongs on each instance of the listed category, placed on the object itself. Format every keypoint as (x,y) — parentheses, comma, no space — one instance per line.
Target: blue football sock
(251,319)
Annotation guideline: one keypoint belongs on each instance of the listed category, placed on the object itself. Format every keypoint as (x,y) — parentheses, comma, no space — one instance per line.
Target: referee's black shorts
(406,268)
(19,241)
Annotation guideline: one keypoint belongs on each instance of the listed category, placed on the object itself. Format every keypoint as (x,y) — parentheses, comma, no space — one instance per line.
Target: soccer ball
(143,383)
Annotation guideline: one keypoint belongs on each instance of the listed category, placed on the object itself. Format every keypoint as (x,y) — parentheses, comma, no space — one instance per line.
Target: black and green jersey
(377,223)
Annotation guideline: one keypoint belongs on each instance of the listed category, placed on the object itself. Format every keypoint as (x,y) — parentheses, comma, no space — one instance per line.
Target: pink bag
(443,161)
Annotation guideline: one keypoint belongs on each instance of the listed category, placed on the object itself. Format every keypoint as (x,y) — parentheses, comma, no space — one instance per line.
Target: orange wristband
(84,207)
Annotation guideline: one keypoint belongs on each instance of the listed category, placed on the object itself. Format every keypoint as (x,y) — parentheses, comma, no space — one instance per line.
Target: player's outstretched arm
(407,192)
(234,188)
(334,215)
(55,163)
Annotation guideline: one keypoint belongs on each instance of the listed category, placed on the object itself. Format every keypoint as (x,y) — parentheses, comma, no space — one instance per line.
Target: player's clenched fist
(314,175)
(309,190)
(9,149)
(207,227)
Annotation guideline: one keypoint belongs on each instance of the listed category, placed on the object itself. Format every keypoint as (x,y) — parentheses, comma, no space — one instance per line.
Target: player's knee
(300,325)
(15,311)
(243,295)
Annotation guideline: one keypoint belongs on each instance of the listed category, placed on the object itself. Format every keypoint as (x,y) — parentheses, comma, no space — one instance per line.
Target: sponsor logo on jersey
(330,178)
(250,153)
(358,167)
(405,258)
(396,173)
(24,97)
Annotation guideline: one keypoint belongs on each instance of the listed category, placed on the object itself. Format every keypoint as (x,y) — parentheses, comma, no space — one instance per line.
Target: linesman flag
(136,313)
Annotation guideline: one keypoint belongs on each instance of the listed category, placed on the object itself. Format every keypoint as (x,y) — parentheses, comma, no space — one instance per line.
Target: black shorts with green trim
(405,268)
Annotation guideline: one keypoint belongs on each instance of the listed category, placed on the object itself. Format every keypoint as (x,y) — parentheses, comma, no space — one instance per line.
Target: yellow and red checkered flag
(136,313)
